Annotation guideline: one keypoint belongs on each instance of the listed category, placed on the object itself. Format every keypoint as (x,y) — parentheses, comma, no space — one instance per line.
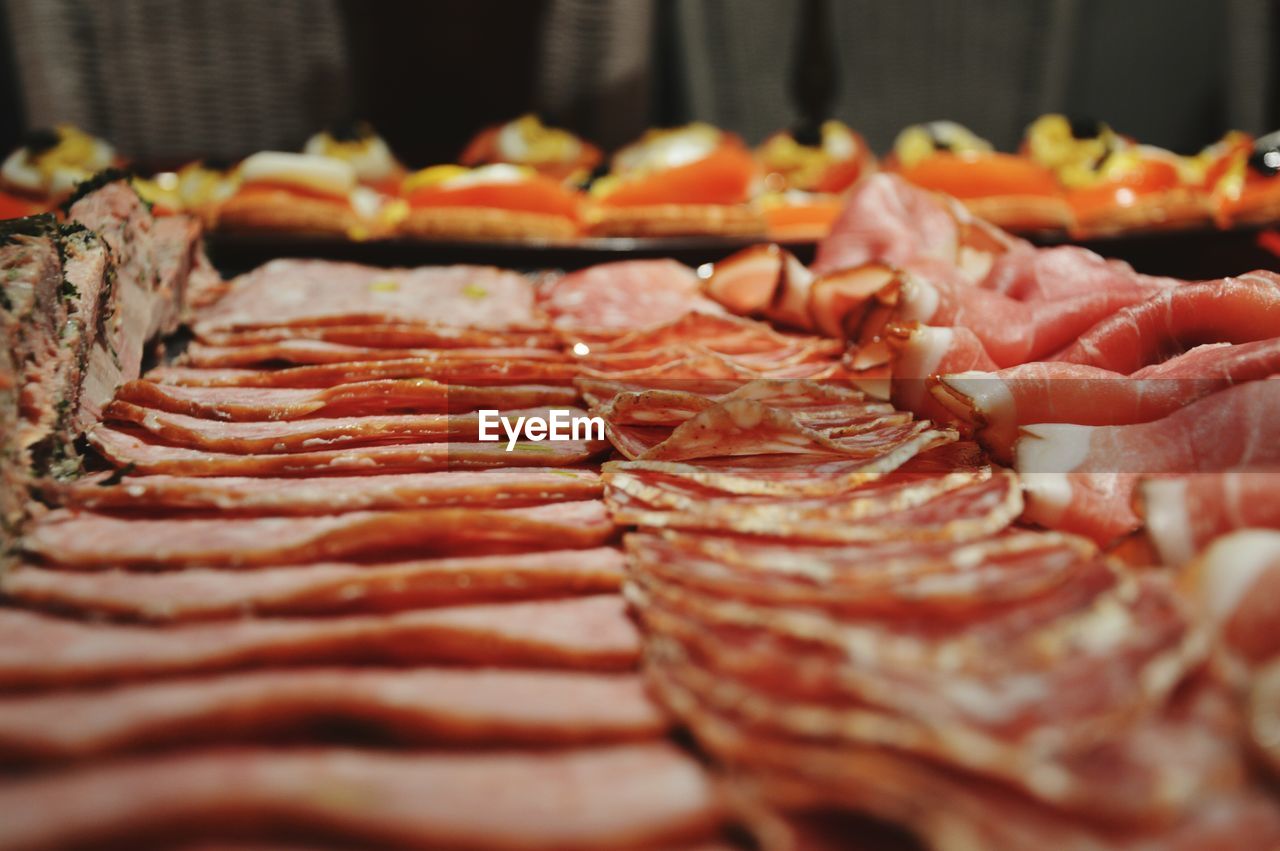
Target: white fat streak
(920,300)
(1053,447)
(1232,565)
(319,174)
(1164,503)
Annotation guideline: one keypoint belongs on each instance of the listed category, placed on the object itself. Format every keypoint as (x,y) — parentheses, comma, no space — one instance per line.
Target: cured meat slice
(729,335)
(588,632)
(198,593)
(1034,274)
(318,292)
(307,435)
(1264,715)
(961,507)
(997,403)
(813,403)
(1000,674)
(614,298)
(799,351)
(1231,310)
(306,352)
(809,475)
(1082,478)
(422,706)
(87,541)
(1237,581)
(586,799)
(918,353)
(700,364)
(406,395)
(889,578)
(448,370)
(887,220)
(130,451)
(336,494)
(1184,514)
(401,335)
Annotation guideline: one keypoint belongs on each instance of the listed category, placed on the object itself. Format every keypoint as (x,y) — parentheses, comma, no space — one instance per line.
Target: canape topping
(52,162)
(201,184)
(1075,149)
(919,141)
(527,140)
(803,165)
(359,145)
(663,149)
(321,175)
(456,176)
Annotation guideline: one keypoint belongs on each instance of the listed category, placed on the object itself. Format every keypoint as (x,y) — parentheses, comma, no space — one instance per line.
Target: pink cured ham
(1011,331)
(305,435)
(616,298)
(1035,274)
(918,353)
(1264,715)
(400,335)
(318,292)
(408,395)
(1082,478)
(1237,583)
(961,507)
(887,220)
(305,352)
(315,588)
(421,706)
(587,632)
(797,351)
(1183,515)
(447,370)
(128,449)
(1231,310)
(718,332)
(85,540)
(336,494)
(997,403)
(586,799)
(814,403)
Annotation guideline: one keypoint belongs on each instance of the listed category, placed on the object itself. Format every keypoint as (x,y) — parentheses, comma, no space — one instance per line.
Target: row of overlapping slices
(523,180)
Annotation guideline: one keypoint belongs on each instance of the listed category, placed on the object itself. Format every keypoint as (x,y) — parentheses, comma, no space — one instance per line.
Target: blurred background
(171,80)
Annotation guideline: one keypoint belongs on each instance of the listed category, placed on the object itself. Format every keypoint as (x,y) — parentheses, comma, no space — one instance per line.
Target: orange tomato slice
(722,177)
(840,175)
(814,217)
(533,194)
(1149,176)
(982,175)
(15,207)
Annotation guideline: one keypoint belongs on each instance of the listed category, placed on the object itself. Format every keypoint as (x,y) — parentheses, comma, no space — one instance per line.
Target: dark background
(170,80)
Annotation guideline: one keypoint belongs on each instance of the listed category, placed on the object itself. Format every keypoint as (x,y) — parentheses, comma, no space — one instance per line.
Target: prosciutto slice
(400,335)
(587,799)
(407,395)
(729,335)
(1183,515)
(1231,310)
(335,494)
(318,292)
(86,540)
(588,632)
(305,435)
(421,706)
(302,352)
(612,299)
(447,370)
(1035,274)
(997,403)
(316,588)
(1082,478)
(129,450)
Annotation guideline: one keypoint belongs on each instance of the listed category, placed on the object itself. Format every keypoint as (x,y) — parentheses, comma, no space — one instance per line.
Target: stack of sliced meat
(1085,375)
(839,603)
(78,302)
(309,605)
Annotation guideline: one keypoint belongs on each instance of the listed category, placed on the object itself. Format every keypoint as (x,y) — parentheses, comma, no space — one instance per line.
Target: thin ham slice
(304,352)
(1035,274)
(318,292)
(406,395)
(85,540)
(400,335)
(1183,515)
(588,633)
(729,335)
(997,403)
(588,799)
(423,706)
(444,369)
(916,354)
(1231,310)
(305,435)
(1082,478)
(335,494)
(131,451)
(616,298)
(316,588)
